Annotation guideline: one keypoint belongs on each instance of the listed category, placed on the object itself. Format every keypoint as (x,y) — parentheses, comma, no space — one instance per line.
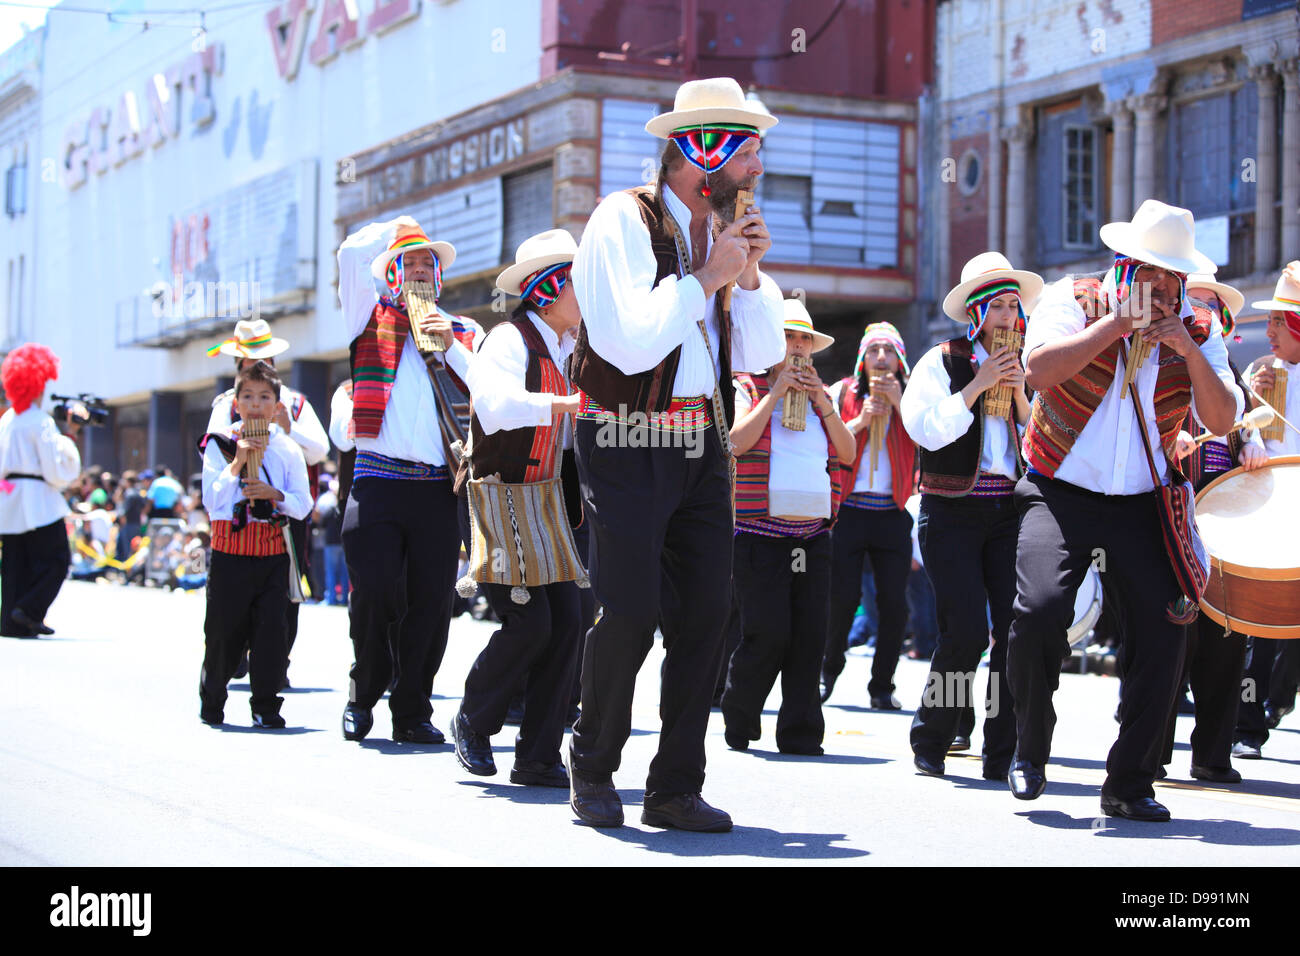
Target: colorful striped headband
(395,275)
(978,302)
(709,147)
(544,286)
(1292,320)
(1126,269)
(879,332)
(243,345)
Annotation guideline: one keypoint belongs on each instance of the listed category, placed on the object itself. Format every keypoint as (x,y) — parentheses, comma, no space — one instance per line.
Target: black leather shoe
(995,773)
(595,802)
(827,686)
(1216,774)
(424,733)
(1027,782)
(268,722)
(535,773)
(357,722)
(213,718)
(959,744)
(1143,809)
(474,751)
(931,768)
(736,740)
(684,811)
(23,619)
(1246,750)
(886,703)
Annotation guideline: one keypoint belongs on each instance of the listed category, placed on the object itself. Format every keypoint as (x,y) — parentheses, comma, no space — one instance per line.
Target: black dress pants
(782,586)
(886,537)
(969,548)
(1215,664)
(1270,678)
(1061,526)
(34,566)
(247,599)
(537,643)
(401,540)
(660,554)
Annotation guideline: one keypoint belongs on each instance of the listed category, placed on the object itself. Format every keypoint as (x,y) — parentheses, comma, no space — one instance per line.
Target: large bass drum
(1250,524)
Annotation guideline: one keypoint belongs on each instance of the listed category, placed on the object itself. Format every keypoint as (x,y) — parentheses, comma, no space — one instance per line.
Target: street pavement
(104,762)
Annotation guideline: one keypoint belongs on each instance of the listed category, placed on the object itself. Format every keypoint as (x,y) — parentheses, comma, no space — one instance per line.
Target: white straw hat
(705,102)
(985,268)
(534,254)
(1160,234)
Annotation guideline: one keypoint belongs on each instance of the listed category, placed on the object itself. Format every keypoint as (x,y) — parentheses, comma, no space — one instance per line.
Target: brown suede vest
(651,390)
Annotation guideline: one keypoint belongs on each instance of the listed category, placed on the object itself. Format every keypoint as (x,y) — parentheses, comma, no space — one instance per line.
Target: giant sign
(338,28)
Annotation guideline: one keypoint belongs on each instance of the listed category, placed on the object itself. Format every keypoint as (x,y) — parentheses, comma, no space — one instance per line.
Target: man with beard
(655,355)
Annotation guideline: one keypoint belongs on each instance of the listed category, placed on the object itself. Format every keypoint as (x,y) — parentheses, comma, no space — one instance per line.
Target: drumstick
(1258,418)
(744,199)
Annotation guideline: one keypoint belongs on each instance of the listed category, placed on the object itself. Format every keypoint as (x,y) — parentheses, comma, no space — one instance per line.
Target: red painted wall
(856,48)
(1171,19)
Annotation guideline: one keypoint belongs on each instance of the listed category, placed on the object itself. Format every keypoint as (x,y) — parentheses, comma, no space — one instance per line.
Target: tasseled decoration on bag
(520,595)
(1182,611)
(466,587)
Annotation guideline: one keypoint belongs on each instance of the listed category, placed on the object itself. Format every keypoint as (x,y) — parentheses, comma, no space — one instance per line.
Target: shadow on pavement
(741,841)
(536,796)
(1081,762)
(807,758)
(247,688)
(859,709)
(286,732)
(1219,831)
(393,747)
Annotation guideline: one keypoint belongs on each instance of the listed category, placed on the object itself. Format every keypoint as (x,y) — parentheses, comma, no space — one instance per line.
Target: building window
(528,208)
(969,172)
(1079,193)
(16,189)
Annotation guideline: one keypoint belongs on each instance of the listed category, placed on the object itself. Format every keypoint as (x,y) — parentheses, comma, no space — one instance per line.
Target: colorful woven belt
(778,528)
(988,485)
(1215,458)
(682,415)
(871,501)
(370,464)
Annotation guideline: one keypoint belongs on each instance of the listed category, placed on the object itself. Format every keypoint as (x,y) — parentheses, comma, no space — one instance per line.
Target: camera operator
(36,462)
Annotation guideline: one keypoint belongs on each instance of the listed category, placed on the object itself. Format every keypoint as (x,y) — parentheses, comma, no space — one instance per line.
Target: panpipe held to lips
(794,413)
(420,304)
(997,400)
(744,199)
(254,428)
(879,423)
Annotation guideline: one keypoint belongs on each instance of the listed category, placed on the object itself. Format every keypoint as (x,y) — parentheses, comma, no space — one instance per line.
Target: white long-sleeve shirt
(305,429)
(935,416)
(410,427)
(634,324)
(31,444)
(1107,457)
(283,468)
(340,417)
(496,380)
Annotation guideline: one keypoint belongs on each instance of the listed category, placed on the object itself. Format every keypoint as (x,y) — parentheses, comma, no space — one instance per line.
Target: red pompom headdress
(24,373)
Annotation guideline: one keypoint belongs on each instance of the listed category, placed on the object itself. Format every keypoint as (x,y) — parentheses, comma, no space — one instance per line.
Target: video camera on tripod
(96,409)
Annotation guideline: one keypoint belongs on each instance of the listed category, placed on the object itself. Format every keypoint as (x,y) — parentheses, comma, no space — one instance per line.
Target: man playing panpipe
(655,341)
(1090,495)
(520,426)
(1215,661)
(401,537)
(970,462)
(252,485)
(874,521)
(788,491)
(1274,666)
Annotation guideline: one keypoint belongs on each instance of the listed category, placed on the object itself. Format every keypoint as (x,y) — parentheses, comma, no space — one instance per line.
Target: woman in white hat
(787,496)
(521,408)
(1091,488)
(970,462)
(1274,665)
(252,342)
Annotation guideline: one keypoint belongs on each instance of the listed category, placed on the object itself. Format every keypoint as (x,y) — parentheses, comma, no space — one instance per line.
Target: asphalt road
(105,762)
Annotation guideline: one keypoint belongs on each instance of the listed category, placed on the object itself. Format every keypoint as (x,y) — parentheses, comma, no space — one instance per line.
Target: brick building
(1055,117)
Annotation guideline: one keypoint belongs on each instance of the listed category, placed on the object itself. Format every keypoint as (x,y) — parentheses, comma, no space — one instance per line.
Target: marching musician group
(644,444)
